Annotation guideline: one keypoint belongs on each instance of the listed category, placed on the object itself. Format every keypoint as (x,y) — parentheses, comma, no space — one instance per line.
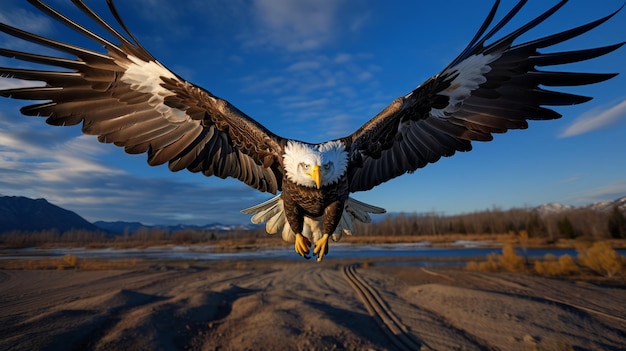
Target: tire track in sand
(390,324)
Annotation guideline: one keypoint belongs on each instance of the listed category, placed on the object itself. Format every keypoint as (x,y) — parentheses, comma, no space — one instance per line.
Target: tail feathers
(360,210)
(272,213)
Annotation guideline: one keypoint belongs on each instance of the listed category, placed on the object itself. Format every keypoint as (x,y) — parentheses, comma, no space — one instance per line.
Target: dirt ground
(292,305)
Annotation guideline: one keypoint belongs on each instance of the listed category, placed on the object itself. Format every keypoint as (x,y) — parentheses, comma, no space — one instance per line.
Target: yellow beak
(316,175)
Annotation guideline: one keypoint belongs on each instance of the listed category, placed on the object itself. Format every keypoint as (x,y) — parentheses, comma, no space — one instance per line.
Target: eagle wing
(126,97)
(486,89)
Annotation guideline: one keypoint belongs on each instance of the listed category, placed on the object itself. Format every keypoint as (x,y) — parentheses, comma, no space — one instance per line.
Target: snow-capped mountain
(602,206)
(608,205)
(553,208)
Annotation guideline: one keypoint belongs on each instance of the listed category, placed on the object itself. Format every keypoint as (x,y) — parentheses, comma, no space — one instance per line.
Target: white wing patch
(145,77)
(470,74)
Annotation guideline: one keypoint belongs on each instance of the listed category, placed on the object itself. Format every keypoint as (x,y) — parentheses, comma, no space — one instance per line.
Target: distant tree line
(52,236)
(140,238)
(565,225)
(568,224)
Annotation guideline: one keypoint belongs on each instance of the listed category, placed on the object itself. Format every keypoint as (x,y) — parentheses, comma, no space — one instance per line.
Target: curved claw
(302,246)
(321,247)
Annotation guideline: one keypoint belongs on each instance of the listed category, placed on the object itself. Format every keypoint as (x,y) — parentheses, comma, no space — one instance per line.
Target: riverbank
(287,305)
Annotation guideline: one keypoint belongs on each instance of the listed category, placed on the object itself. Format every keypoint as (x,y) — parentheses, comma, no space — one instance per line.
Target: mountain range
(24,214)
(602,206)
(19,213)
(120,227)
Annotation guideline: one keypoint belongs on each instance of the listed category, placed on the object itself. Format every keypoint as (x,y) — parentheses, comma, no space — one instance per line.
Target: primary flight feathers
(126,97)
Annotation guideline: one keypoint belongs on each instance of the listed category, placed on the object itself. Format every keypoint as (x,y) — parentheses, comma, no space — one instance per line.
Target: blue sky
(315,70)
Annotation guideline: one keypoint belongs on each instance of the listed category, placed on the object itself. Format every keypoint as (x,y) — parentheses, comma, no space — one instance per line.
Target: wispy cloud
(613,190)
(28,20)
(304,66)
(302,25)
(595,119)
(69,171)
(333,94)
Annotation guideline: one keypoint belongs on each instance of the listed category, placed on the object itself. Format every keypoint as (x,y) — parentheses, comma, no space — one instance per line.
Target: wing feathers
(51,77)
(73,25)
(487,89)
(36,39)
(560,58)
(168,147)
(125,97)
(42,59)
(567,78)
(565,35)
(508,40)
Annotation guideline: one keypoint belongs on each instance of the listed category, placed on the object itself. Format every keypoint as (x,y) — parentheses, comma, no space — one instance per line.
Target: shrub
(549,257)
(601,258)
(70,260)
(510,260)
(490,265)
(547,267)
(550,266)
(471,266)
(567,264)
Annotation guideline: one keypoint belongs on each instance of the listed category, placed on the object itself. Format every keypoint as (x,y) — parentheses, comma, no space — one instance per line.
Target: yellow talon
(321,247)
(302,246)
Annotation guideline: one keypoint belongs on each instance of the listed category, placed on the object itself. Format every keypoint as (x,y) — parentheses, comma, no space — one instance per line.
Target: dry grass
(508,261)
(551,266)
(600,258)
(70,262)
(490,265)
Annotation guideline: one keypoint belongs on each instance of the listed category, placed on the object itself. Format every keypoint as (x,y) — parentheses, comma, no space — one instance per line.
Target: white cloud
(296,25)
(610,191)
(301,103)
(26,20)
(595,119)
(304,66)
(342,58)
(68,171)
(302,25)
(62,163)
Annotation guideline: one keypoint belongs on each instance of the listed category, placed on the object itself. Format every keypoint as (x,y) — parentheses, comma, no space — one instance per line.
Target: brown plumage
(126,97)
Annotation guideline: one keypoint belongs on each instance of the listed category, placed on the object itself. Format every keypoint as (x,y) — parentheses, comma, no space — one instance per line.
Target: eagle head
(315,166)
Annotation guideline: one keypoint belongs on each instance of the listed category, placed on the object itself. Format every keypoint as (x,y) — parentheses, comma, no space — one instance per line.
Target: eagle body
(125,96)
(327,202)
(315,186)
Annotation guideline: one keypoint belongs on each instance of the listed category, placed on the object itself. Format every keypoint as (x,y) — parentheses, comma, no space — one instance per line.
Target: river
(423,253)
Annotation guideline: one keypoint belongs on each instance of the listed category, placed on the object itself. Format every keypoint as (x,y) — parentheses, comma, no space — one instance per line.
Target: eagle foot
(321,247)
(302,246)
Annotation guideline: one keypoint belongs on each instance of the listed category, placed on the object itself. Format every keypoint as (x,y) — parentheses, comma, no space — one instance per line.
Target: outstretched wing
(486,89)
(126,97)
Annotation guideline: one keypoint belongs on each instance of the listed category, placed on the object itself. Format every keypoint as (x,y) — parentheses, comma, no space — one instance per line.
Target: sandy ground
(273,305)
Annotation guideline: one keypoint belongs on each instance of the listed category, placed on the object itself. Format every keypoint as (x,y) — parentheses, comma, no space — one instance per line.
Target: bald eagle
(128,98)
